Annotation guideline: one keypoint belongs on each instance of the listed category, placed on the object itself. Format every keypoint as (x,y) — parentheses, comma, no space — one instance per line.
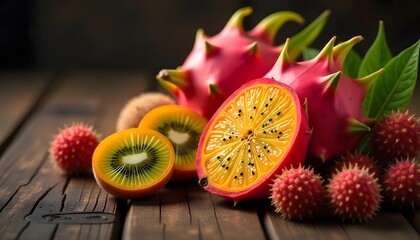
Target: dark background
(132,34)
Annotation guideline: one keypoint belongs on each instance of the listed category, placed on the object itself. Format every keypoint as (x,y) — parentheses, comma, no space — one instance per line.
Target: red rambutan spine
(402,183)
(354,194)
(297,193)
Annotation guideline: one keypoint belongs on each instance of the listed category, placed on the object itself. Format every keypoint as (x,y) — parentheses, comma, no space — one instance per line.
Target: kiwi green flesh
(135,165)
(184,139)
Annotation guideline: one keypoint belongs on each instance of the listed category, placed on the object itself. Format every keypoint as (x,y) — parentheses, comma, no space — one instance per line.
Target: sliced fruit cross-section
(133,163)
(183,127)
(258,130)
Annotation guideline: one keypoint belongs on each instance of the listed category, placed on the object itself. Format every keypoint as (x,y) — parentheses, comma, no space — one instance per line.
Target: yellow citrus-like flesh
(248,138)
(133,163)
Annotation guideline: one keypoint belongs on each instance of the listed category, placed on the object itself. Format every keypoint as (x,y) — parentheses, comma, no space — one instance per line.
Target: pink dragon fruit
(334,99)
(219,65)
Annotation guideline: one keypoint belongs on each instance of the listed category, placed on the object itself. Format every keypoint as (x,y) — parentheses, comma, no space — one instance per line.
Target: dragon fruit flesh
(219,65)
(334,100)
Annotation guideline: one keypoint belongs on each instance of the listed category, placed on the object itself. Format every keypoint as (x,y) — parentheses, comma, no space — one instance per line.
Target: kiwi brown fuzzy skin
(138,191)
(135,109)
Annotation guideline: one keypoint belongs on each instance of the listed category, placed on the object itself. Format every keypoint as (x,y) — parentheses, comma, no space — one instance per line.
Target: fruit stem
(203,182)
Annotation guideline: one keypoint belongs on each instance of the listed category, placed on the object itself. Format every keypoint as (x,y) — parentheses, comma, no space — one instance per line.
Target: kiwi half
(133,163)
(183,127)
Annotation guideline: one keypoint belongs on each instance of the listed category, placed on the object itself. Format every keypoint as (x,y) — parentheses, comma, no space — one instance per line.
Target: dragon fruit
(334,99)
(219,65)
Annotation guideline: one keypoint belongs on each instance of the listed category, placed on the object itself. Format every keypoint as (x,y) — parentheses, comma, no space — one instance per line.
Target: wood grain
(188,212)
(19,94)
(386,225)
(30,184)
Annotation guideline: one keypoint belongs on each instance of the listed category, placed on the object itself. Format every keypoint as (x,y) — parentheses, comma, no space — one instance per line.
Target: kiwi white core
(135,158)
(178,137)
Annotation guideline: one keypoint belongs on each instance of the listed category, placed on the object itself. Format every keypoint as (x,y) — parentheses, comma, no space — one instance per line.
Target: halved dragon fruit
(259,130)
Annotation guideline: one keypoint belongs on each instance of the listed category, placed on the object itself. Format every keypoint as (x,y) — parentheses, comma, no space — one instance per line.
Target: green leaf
(309,53)
(352,64)
(377,56)
(364,144)
(394,87)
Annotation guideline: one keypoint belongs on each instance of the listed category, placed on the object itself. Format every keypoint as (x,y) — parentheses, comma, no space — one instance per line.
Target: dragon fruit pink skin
(334,100)
(219,65)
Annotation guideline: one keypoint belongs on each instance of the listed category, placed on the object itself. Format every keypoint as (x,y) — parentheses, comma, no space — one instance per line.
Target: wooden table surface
(38,202)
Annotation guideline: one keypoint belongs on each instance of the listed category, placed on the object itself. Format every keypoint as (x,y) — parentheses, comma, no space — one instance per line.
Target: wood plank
(279,228)
(31,185)
(414,219)
(18,95)
(185,211)
(386,225)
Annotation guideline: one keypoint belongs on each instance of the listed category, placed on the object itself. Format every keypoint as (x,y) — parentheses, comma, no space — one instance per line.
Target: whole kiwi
(135,109)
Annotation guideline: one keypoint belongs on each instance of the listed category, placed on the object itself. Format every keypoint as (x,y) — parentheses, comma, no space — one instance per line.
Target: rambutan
(402,183)
(362,160)
(72,149)
(297,193)
(354,194)
(396,136)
